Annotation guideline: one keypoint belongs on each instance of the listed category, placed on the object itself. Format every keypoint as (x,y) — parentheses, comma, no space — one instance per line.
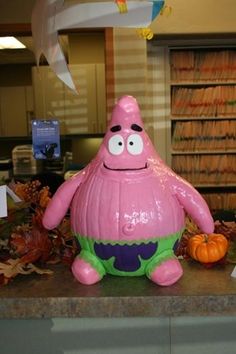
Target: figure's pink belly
(113,210)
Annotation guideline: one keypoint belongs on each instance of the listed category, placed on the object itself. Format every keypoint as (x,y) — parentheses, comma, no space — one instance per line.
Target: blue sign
(46,139)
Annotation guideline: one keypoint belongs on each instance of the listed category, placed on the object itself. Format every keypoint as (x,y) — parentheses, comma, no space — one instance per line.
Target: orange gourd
(207,248)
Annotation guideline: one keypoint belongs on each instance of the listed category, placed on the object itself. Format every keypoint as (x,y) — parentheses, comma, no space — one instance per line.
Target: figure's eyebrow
(115,128)
(136,128)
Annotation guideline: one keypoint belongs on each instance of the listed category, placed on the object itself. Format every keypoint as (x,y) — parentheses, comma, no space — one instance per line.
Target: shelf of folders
(203,121)
(203,82)
(221,200)
(206,101)
(203,64)
(208,170)
(204,135)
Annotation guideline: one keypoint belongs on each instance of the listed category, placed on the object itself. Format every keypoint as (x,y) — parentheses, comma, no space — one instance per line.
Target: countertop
(200,292)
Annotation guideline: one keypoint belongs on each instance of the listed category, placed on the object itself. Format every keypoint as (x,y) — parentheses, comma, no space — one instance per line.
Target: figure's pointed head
(126,112)
(126,147)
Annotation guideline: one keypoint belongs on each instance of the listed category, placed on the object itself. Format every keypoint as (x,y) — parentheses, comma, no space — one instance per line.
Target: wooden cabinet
(84,113)
(49,95)
(203,120)
(101,98)
(16,106)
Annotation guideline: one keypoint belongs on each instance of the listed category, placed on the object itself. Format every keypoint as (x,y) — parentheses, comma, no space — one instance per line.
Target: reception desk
(57,315)
(200,292)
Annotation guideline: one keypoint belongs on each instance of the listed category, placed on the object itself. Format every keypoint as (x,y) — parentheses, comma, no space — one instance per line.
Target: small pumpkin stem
(205,238)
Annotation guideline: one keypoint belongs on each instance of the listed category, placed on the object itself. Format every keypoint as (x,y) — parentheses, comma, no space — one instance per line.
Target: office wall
(16,11)
(86,48)
(197,17)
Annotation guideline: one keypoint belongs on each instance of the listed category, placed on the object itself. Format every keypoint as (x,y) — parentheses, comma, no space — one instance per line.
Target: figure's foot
(84,272)
(167,273)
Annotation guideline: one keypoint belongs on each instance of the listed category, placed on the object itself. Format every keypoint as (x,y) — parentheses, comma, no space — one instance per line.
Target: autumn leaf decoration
(13,267)
(30,246)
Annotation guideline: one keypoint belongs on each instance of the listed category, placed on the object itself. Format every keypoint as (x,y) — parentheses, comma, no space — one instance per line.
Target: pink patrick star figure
(127,207)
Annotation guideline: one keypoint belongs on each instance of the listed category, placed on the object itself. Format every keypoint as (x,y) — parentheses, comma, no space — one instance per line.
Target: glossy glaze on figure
(127,207)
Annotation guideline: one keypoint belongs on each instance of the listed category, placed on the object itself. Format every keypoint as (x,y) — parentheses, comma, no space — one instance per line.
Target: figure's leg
(87,268)
(164,269)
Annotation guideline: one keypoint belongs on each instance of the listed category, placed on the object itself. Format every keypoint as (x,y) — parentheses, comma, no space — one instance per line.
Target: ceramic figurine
(127,207)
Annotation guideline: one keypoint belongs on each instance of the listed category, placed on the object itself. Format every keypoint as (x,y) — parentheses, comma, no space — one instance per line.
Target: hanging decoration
(50,16)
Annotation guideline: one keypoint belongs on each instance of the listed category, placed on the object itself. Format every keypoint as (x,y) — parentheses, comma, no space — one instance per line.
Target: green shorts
(127,258)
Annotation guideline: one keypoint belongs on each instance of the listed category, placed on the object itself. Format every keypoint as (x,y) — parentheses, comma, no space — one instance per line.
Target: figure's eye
(116,144)
(135,144)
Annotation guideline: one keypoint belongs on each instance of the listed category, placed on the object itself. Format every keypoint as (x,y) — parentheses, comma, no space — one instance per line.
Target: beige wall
(86,48)
(197,16)
(16,11)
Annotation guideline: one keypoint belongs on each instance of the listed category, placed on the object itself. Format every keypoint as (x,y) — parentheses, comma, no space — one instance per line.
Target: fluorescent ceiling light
(10,43)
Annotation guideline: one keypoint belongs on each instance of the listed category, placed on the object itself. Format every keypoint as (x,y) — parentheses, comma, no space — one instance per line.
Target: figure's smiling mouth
(125,169)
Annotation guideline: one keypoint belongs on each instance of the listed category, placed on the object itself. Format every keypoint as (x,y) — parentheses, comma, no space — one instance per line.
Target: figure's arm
(192,202)
(60,202)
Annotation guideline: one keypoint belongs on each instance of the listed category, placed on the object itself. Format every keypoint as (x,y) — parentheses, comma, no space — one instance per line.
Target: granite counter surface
(200,292)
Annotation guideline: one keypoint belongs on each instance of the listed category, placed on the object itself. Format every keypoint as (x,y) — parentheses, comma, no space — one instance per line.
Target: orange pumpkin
(207,248)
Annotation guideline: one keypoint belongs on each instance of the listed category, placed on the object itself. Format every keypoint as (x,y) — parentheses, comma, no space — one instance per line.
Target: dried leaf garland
(26,242)
(32,244)
(12,267)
